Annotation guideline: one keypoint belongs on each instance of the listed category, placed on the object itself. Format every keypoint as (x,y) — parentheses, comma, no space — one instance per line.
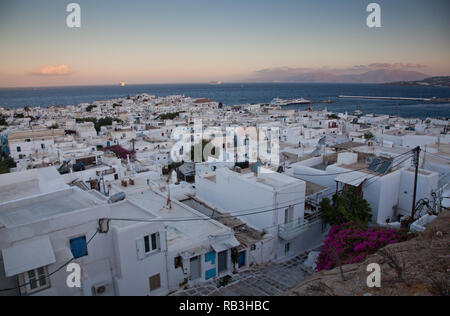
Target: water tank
(117,197)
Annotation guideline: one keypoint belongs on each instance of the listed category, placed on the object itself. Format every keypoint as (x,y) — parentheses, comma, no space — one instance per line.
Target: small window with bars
(37,280)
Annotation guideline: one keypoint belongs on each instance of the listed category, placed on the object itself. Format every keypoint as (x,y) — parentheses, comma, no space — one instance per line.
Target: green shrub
(346,207)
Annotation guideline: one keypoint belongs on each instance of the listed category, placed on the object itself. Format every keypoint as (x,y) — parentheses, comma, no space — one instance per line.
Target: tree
(169,116)
(107,121)
(369,135)
(346,207)
(333,116)
(90,107)
(3,121)
(6,165)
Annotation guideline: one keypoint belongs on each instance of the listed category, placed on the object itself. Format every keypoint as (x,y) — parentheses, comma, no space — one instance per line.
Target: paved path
(264,280)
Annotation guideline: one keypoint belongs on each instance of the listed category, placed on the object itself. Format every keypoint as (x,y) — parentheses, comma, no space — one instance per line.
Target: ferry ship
(281,102)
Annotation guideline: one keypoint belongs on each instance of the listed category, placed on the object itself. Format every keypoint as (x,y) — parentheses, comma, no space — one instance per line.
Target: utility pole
(416,163)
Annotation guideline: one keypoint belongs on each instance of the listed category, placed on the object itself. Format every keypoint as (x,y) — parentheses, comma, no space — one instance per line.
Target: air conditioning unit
(101,289)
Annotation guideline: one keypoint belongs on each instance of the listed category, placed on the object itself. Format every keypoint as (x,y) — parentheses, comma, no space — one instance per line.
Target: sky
(178,41)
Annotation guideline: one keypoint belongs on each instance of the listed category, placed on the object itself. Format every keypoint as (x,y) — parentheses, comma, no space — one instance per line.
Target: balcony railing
(290,231)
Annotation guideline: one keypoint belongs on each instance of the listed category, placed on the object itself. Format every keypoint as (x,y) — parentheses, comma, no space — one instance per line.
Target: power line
(189,219)
(48,276)
(438,156)
(230,215)
(369,178)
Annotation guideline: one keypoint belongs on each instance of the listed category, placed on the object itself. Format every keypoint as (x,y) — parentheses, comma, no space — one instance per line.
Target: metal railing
(291,230)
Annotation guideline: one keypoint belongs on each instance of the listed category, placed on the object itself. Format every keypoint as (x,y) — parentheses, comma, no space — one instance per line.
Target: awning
(353,178)
(226,244)
(27,256)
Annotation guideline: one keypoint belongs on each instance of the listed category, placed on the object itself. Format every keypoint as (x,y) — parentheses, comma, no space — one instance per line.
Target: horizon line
(197,83)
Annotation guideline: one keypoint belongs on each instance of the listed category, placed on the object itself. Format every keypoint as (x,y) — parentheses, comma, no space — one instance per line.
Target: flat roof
(41,207)
(22,184)
(244,234)
(178,232)
(267,177)
(313,188)
(19,190)
(127,209)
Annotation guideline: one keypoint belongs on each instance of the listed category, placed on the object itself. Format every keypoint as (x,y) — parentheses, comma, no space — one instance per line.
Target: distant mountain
(373,76)
(443,81)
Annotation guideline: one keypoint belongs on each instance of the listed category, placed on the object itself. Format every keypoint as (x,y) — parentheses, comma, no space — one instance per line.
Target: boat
(281,102)
(215,82)
(358,111)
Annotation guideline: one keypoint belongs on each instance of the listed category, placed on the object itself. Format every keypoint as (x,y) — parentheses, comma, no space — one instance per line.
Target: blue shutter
(210,274)
(210,257)
(78,247)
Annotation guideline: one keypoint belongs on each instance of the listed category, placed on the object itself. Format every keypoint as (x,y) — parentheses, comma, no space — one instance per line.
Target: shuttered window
(78,247)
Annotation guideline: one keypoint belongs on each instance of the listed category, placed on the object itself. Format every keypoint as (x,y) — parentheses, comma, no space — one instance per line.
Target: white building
(33,143)
(269,202)
(41,233)
(389,192)
(137,250)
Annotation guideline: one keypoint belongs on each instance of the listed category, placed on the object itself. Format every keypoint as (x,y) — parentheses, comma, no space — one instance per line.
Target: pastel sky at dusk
(174,41)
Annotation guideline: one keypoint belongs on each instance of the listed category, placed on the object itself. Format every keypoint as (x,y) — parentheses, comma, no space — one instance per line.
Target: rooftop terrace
(35,209)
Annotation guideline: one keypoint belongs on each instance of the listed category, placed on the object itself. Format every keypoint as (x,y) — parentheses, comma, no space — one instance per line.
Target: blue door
(241,261)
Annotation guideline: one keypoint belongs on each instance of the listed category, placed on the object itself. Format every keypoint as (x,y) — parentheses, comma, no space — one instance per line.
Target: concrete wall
(111,259)
(388,188)
(426,183)
(31,148)
(133,273)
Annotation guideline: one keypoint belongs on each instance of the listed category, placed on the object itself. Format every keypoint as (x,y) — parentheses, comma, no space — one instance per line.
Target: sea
(244,93)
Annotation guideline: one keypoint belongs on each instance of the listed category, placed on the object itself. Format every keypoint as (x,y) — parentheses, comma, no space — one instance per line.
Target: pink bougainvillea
(351,243)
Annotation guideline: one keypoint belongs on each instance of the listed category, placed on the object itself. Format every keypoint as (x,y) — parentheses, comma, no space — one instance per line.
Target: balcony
(291,230)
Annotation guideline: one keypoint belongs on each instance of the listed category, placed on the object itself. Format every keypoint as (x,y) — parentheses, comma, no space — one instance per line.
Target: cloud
(50,70)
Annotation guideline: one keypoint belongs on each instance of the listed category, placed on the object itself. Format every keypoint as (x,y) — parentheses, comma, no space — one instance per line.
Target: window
(155,282)
(287,248)
(42,146)
(78,246)
(151,243)
(288,215)
(178,262)
(19,149)
(36,280)
(223,261)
